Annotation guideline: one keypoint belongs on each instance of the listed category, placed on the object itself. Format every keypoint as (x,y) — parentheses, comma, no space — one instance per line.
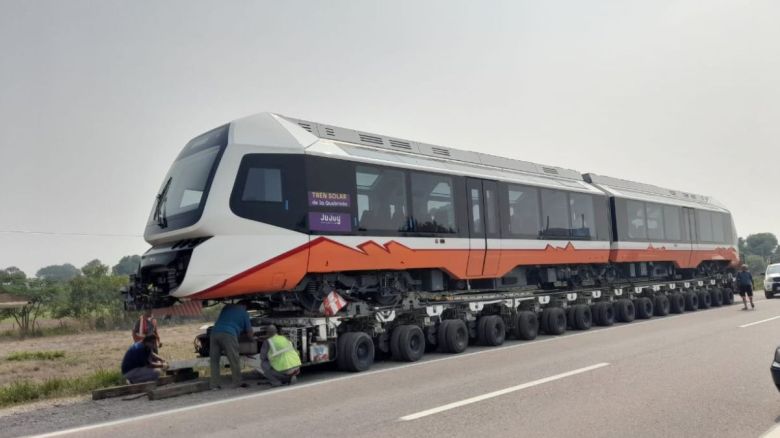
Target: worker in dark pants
(280,361)
(232,321)
(141,364)
(745,286)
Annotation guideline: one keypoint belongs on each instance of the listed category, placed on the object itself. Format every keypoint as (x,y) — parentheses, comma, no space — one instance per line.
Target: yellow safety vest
(282,354)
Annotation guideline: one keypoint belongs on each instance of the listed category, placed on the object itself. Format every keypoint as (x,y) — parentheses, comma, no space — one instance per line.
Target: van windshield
(773,269)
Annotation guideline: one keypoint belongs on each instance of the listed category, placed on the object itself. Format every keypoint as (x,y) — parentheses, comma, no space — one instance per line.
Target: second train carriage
(270,204)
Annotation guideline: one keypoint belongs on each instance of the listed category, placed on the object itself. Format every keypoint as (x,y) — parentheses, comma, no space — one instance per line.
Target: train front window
(184,191)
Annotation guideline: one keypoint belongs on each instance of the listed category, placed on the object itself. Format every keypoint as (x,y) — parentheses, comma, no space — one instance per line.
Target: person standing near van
(745,286)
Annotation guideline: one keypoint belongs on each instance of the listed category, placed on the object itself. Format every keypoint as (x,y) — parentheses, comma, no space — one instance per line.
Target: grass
(36,355)
(27,391)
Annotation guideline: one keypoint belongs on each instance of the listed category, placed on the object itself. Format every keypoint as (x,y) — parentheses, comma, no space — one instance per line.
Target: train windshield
(183,194)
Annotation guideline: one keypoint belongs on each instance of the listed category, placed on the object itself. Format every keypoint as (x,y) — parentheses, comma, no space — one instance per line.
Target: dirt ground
(86,352)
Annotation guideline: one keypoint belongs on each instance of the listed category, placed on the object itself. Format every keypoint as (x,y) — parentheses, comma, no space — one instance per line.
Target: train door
(689,222)
(484,245)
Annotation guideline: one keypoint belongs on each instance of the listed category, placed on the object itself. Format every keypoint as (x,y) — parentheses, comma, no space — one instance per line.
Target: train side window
(555,213)
(717,228)
(263,184)
(433,206)
(491,209)
(381,199)
(475,200)
(523,211)
(704,225)
(672,229)
(655,222)
(582,216)
(637,223)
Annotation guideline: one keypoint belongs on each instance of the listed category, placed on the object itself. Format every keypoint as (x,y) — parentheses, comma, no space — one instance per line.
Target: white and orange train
(388,243)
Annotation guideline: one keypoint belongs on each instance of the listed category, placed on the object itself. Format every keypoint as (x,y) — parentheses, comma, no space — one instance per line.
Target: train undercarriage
(403,315)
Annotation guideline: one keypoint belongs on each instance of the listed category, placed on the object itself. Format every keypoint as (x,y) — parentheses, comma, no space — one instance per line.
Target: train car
(289,212)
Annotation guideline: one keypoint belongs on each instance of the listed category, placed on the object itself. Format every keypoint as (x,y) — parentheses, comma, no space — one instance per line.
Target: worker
(233,320)
(141,364)
(745,286)
(145,326)
(280,361)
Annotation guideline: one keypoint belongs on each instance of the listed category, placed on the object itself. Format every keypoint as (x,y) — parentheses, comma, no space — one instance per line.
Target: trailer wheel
(644,308)
(624,310)
(570,318)
(583,318)
(453,336)
(526,325)
(604,314)
(494,330)
(356,352)
(481,329)
(716,297)
(676,303)
(556,320)
(691,301)
(407,343)
(728,296)
(705,300)
(661,305)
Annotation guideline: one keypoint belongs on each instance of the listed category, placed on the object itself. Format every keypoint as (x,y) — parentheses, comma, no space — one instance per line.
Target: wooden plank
(183,377)
(116,391)
(177,390)
(174,371)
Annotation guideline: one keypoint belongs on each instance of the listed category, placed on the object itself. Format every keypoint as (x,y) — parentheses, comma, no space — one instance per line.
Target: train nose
(162,270)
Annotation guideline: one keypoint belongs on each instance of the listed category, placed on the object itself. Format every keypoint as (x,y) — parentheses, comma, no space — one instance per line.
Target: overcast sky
(98,97)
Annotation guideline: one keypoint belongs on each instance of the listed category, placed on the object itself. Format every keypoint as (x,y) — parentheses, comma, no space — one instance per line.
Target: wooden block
(116,391)
(183,370)
(177,390)
(166,380)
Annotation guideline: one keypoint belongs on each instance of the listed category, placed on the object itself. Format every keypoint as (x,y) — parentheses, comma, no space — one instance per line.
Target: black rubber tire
(495,330)
(594,312)
(583,318)
(644,308)
(691,301)
(543,318)
(356,352)
(570,324)
(769,295)
(556,321)
(705,300)
(606,314)
(676,303)
(407,343)
(728,296)
(526,325)
(624,310)
(661,305)
(456,336)
(441,335)
(716,297)
(481,330)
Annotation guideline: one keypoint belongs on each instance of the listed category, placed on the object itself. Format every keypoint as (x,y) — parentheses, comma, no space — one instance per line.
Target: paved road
(695,375)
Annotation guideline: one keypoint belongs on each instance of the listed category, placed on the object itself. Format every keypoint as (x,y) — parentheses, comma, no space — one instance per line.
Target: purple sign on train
(328,199)
(330,221)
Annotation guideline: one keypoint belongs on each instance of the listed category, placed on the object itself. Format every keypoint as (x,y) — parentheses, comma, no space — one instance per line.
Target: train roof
(647,192)
(296,134)
(382,149)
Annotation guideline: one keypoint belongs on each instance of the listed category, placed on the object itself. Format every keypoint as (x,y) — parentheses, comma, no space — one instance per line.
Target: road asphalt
(699,374)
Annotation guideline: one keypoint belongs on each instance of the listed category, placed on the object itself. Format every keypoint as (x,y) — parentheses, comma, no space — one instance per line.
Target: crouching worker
(141,364)
(280,361)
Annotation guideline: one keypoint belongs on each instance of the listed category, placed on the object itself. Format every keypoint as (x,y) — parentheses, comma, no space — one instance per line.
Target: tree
(95,269)
(58,272)
(756,263)
(761,244)
(39,293)
(127,265)
(12,275)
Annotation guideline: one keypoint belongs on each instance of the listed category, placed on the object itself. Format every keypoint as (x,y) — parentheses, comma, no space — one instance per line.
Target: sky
(98,97)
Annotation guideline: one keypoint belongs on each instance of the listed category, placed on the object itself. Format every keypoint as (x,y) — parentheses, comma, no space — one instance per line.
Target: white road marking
(759,322)
(359,375)
(774,432)
(500,392)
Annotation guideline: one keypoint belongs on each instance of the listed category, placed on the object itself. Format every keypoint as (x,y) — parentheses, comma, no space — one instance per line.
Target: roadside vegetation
(27,390)
(35,355)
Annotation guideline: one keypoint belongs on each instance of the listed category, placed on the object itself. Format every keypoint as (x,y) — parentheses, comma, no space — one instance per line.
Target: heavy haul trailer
(350,241)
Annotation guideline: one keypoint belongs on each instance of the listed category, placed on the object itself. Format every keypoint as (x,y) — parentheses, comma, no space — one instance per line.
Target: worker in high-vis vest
(145,326)
(280,361)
